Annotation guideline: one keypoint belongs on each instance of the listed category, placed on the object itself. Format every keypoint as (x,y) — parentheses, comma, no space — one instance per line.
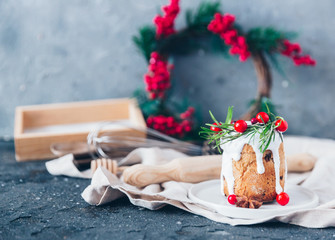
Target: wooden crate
(33,140)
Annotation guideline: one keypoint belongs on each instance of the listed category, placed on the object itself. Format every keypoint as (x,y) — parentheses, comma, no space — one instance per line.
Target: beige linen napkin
(105,187)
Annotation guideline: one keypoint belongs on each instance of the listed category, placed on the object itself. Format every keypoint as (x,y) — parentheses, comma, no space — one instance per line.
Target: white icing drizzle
(232,151)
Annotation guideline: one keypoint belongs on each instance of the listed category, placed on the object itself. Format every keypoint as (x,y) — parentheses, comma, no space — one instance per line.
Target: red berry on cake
(254,120)
(283,198)
(281,125)
(240,126)
(262,117)
(232,199)
(215,129)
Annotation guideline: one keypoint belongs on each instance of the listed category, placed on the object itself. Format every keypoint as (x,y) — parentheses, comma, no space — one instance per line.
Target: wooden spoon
(189,169)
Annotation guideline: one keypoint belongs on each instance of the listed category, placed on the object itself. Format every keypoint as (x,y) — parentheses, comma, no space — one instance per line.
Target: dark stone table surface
(36,205)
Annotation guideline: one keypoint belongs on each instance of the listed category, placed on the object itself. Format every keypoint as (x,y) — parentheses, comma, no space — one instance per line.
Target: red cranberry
(281,125)
(283,198)
(254,120)
(262,117)
(240,126)
(215,129)
(232,199)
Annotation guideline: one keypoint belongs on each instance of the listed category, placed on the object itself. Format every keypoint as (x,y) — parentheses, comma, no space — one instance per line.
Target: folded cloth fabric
(105,187)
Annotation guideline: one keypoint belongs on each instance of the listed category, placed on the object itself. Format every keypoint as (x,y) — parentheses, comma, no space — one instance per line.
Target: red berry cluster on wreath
(165,24)
(157,79)
(293,50)
(170,126)
(223,25)
(188,114)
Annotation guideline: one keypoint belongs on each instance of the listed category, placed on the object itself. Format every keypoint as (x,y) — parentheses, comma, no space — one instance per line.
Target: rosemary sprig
(227,132)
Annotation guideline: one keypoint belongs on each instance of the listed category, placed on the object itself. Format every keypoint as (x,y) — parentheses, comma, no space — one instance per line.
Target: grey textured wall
(58,51)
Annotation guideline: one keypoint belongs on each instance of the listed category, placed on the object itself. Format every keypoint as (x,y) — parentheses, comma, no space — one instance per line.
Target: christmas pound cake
(253,160)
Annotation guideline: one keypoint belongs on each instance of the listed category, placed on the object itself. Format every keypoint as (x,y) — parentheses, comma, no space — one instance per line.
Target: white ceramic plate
(209,195)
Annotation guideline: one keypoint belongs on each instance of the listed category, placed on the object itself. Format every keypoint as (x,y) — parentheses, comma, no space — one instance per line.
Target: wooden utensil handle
(190,169)
(198,169)
(301,162)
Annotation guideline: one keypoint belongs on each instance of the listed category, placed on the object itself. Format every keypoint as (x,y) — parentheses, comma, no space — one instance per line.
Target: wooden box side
(135,115)
(37,147)
(70,113)
(18,122)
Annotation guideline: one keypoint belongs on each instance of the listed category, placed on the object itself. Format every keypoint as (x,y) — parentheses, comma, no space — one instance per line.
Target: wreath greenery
(207,28)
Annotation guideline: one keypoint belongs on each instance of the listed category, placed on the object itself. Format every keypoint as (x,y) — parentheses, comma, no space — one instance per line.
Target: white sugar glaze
(232,152)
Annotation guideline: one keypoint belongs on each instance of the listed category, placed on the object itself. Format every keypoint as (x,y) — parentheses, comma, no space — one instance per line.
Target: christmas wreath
(159,43)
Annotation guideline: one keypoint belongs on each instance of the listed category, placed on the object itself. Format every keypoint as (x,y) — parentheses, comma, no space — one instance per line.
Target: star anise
(244,202)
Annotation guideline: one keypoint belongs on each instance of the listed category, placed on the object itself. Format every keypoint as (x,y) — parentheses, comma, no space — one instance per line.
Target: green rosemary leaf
(214,119)
(228,134)
(229,115)
(274,137)
(267,108)
(268,141)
